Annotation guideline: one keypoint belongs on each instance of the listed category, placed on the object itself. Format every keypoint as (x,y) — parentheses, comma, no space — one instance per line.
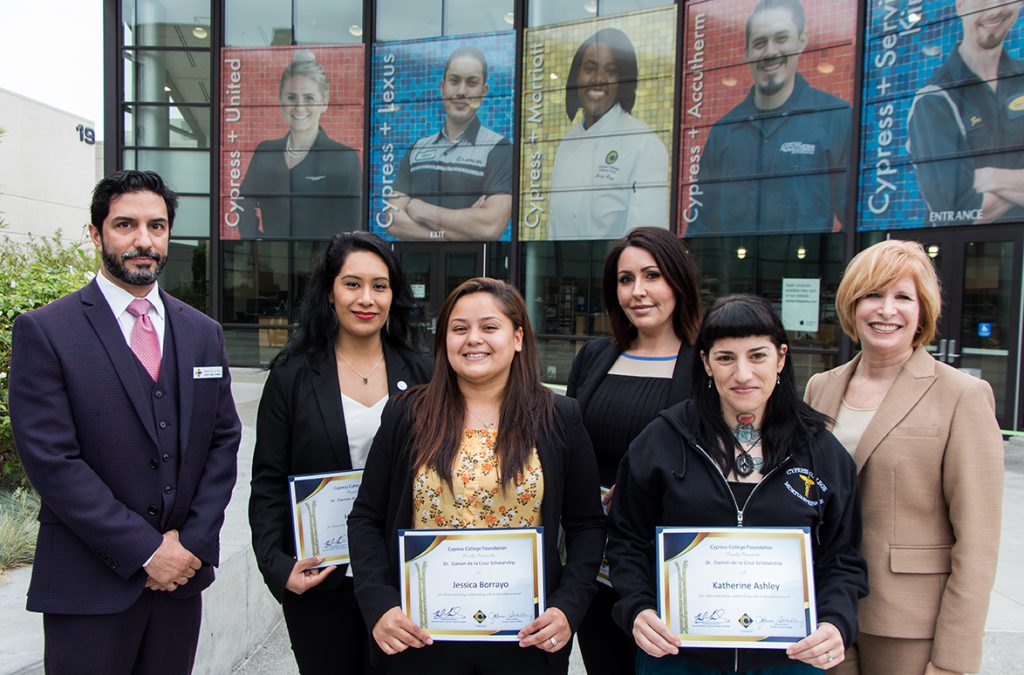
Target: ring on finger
(553,641)
(828,657)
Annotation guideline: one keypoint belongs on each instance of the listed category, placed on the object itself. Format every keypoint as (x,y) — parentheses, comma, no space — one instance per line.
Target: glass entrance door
(433,271)
(980,327)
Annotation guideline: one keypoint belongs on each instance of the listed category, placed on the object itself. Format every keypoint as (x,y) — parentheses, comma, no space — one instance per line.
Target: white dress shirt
(118,299)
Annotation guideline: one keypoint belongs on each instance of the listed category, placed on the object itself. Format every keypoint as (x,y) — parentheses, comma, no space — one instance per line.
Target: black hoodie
(667,479)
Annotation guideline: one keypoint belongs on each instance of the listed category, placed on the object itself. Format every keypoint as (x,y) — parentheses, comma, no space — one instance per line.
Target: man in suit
(121,407)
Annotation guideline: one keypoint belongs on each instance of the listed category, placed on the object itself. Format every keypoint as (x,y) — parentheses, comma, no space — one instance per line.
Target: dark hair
(470,51)
(527,407)
(625,59)
(680,272)
(318,324)
(795,9)
(122,182)
(789,424)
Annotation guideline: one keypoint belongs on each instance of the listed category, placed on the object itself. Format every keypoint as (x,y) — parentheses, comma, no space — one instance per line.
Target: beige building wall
(47,170)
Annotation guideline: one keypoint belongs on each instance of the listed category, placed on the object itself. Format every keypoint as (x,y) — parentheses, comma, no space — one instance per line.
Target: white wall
(46,172)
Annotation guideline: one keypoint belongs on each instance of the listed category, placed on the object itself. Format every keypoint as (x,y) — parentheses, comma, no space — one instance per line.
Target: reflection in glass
(184,170)
(169,126)
(462,17)
(328,22)
(156,76)
(562,287)
(256,282)
(187,273)
(172,23)
(408,19)
(257,23)
(544,12)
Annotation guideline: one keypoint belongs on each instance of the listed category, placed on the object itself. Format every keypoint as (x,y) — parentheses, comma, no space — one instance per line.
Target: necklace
(292,152)
(487,425)
(745,433)
(366,378)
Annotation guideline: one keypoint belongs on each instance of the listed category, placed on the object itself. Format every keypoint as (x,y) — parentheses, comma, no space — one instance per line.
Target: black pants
(327,632)
(478,658)
(606,649)
(158,634)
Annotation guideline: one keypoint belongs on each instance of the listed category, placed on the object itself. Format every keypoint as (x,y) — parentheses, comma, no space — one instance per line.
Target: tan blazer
(930,468)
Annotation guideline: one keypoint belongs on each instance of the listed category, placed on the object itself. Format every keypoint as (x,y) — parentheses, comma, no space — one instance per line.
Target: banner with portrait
(765,102)
(597,133)
(942,132)
(441,138)
(291,142)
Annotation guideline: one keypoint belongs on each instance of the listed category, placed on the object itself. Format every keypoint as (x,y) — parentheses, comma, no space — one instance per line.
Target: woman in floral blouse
(484,444)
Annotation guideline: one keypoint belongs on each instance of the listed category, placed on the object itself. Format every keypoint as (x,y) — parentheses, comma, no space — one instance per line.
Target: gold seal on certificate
(321,503)
(472,585)
(748,587)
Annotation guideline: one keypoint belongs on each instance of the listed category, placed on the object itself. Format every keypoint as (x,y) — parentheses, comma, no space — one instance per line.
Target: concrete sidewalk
(242,629)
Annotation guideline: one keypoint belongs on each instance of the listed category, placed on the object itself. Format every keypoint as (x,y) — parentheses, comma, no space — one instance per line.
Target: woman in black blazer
(319,412)
(651,293)
(484,423)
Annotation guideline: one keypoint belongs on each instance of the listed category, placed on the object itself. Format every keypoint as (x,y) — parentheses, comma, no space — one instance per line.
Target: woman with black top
(743,451)
(651,294)
(320,410)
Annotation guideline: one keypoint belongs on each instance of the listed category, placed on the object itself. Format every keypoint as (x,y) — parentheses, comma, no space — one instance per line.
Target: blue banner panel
(442,138)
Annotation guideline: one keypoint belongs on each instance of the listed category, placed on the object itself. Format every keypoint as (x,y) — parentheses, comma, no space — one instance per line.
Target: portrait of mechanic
(457,183)
(966,125)
(777,162)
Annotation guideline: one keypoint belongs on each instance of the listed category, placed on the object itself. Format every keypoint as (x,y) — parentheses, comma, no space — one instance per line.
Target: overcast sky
(52,51)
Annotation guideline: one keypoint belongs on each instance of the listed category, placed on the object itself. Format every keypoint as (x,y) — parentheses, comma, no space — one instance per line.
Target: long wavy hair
(679,270)
(789,424)
(318,323)
(527,407)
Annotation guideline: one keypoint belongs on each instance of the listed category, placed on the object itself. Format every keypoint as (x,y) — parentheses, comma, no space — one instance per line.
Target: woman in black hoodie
(728,458)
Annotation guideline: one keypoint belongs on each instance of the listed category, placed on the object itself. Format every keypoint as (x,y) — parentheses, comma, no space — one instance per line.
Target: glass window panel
(558,284)
(328,22)
(806,364)
(257,23)
(305,255)
(129,125)
(408,19)
(128,19)
(556,359)
(256,282)
(192,218)
(606,7)
(173,23)
(251,347)
(726,266)
(478,16)
(184,171)
(543,12)
(156,76)
(187,273)
(172,126)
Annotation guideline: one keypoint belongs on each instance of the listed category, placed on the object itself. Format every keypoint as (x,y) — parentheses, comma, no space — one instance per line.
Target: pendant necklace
(487,425)
(748,437)
(366,378)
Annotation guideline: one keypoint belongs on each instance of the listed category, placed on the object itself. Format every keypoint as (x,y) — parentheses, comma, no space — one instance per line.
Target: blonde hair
(878,267)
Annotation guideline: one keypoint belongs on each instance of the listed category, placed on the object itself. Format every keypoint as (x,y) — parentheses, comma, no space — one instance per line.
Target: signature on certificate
(710,617)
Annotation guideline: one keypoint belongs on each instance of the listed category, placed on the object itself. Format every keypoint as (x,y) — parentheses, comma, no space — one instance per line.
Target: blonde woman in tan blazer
(929,458)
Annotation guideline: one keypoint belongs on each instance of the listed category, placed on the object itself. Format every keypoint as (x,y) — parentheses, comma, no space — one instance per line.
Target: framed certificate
(321,503)
(748,587)
(472,585)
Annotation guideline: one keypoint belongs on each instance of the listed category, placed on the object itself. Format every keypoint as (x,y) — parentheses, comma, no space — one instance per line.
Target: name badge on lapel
(207,372)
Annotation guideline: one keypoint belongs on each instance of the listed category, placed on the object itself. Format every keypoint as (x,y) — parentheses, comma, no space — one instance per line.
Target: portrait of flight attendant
(611,170)
(304,185)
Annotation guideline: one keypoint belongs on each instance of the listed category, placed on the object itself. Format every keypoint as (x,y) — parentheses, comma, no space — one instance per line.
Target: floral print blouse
(477,498)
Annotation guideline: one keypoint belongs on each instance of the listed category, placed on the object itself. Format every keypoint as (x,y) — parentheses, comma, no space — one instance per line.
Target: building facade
(32,203)
(519,138)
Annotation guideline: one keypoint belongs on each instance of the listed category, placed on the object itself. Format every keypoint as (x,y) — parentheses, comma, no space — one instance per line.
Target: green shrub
(32,273)
(18,528)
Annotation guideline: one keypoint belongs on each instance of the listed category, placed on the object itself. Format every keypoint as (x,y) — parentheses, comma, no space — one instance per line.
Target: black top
(571,501)
(317,198)
(667,479)
(300,428)
(956,125)
(620,408)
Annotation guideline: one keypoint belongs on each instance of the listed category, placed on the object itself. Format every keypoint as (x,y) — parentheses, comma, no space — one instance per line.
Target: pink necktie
(145,342)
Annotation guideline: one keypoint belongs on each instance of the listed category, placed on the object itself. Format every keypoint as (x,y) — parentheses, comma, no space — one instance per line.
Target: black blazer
(598,356)
(571,498)
(300,428)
